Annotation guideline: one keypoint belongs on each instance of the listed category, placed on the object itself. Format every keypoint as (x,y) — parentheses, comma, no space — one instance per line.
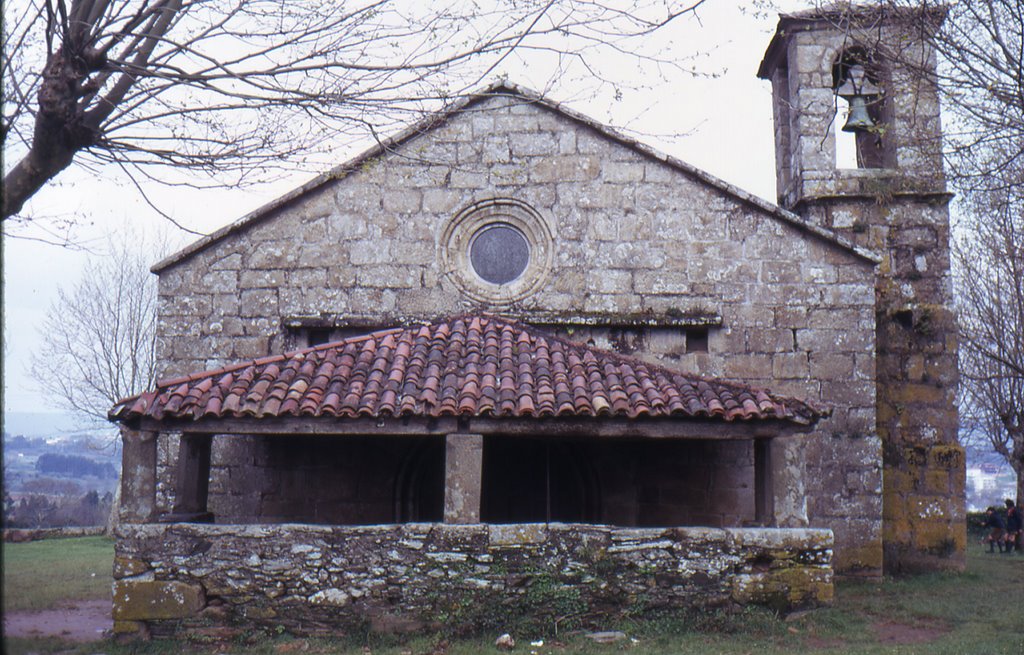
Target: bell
(858,119)
(857,89)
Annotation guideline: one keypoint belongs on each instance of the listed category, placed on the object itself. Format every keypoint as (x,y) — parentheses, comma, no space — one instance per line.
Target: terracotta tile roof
(466,366)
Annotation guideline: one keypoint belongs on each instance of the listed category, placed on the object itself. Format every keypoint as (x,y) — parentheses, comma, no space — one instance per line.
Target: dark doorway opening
(351,480)
(419,493)
(537,481)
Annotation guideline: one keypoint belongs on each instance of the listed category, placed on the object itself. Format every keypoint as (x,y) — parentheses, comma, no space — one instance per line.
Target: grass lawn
(38,574)
(979,611)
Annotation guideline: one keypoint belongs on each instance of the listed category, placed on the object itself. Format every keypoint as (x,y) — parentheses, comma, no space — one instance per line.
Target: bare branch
(227,85)
(99,337)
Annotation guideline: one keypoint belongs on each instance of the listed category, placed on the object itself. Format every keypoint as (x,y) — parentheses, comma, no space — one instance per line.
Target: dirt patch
(892,633)
(821,643)
(84,620)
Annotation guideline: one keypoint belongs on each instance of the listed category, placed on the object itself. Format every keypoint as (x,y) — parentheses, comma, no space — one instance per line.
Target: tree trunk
(60,132)
(1019,470)
(28,176)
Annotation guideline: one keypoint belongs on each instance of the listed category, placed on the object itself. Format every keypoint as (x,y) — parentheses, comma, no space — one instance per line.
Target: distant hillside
(40,424)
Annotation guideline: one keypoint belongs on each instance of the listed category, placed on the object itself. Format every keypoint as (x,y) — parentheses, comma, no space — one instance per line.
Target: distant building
(989,484)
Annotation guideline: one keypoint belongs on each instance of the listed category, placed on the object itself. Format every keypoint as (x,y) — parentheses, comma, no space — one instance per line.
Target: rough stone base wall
(318,579)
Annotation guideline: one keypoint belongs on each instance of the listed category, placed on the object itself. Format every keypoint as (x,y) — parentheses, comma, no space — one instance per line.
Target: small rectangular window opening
(317,336)
(697,339)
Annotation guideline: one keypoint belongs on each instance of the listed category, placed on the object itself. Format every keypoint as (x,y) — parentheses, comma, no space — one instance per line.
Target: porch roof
(465,367)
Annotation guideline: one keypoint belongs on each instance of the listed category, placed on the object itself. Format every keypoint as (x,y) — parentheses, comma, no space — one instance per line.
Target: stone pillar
(193,480)
(463,473)
(789,496)
(138,475)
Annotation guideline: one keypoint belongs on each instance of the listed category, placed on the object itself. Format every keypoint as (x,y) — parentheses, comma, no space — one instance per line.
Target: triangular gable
(506,88)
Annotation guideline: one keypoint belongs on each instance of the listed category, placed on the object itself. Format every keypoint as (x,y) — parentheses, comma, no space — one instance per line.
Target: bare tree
(99,336)
(980,49)
(989,257)
(236,88)
(981,76)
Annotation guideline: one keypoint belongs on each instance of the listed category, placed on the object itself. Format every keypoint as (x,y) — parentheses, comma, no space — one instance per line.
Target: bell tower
(867,75)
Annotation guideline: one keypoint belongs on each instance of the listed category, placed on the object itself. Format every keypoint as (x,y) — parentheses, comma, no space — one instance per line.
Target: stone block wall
(313,579)
(631,235)
(682,483)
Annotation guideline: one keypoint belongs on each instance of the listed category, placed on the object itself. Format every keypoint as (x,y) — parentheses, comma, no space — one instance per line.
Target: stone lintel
(597,427)
(582,319)
(463,473)
(926,196)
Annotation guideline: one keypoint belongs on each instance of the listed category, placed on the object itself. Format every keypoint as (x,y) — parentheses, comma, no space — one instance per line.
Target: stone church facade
(510,205)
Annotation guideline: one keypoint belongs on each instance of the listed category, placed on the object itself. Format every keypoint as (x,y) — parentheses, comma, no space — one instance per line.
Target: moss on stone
(936,482)
(143,600)
(784,588)
(129,627)
(947,457)
(899,531)
(126,567)
(897,481)
(865,558)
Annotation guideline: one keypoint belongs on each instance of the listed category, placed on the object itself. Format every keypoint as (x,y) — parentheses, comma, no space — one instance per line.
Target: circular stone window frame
(458,236)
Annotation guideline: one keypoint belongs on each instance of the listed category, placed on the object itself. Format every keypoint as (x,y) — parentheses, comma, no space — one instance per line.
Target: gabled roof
(503,87)
(471,366)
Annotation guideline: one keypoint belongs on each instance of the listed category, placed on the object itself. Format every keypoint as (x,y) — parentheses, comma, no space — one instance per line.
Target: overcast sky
(721,124)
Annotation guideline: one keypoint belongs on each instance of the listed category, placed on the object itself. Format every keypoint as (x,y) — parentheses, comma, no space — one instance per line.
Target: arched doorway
(419,485)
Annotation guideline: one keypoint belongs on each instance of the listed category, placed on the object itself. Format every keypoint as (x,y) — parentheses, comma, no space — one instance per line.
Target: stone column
(789,495)
(138,475)
(463,469)
(193,481)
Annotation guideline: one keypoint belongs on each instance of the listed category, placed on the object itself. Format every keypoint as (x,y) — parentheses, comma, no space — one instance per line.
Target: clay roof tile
(467,366)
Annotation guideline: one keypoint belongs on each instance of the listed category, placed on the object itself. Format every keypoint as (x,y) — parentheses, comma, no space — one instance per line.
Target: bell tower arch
(870,71)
